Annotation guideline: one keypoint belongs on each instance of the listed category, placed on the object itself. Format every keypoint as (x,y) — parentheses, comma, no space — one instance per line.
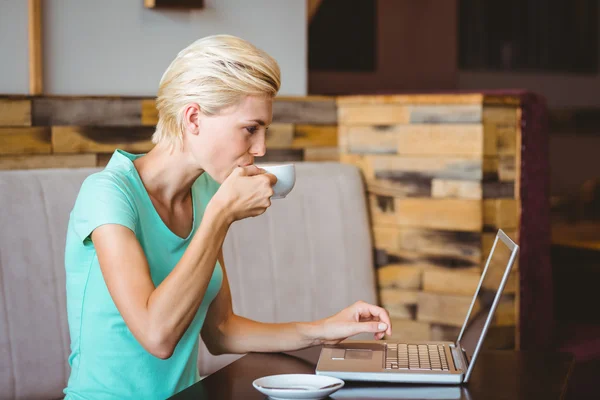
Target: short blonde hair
(214,72)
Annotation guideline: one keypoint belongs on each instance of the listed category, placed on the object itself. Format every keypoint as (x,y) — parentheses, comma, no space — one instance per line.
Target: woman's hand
(245,193)
(360,317)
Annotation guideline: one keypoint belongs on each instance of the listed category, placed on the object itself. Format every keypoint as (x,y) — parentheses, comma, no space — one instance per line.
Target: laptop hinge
(465,358)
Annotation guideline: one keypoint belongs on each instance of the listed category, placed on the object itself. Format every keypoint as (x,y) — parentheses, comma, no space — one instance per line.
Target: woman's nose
(259,147)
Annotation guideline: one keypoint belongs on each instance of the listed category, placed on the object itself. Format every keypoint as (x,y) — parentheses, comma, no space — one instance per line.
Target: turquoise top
(106,360)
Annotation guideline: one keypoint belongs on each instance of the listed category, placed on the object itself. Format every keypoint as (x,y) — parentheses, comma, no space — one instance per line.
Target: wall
(416,51)
(118,47)
(14,75)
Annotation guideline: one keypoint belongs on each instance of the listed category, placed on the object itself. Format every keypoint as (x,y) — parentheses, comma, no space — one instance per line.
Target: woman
(144,260)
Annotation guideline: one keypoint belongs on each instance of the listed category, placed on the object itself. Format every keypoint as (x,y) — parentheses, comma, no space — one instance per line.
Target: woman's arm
(159,316)
(225,332)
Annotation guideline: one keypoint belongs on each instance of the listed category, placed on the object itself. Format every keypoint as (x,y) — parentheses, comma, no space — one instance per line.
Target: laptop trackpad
(358,354)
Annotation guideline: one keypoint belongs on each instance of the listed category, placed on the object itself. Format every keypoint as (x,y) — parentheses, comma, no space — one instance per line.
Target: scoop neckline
(131,157)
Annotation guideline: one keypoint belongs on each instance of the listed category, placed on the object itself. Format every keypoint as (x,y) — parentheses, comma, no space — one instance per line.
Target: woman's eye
(251,129)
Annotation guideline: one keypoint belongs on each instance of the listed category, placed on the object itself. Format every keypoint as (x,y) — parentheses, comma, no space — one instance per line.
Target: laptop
(428,361)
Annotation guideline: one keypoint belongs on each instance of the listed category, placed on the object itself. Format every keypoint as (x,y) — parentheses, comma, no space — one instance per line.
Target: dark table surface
(506,375)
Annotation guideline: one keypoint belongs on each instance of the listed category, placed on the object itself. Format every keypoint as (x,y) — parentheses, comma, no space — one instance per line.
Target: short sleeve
(101,200)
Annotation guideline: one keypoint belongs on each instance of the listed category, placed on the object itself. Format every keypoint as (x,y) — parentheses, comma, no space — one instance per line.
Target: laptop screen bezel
(514,249)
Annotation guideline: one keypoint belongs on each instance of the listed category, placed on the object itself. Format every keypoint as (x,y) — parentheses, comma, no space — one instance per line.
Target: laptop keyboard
(422,357)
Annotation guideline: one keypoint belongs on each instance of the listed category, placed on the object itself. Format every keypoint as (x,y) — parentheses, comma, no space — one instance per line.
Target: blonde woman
(144,261)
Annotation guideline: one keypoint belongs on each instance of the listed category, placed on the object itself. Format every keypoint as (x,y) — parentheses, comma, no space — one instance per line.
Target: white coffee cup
(286,178)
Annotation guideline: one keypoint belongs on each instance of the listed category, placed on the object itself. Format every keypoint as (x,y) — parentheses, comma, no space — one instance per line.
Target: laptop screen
(503,319)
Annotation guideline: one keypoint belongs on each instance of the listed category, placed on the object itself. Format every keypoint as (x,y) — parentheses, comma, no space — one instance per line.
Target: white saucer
(312,382)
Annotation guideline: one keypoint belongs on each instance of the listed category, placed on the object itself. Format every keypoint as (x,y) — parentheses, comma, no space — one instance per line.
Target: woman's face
(233,137)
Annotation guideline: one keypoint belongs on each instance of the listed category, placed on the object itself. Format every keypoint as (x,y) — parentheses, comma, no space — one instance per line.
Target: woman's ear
(191,118)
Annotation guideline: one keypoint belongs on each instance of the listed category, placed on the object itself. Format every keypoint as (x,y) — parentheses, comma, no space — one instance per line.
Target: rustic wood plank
(398,276)
(390,297)
(500,124)
(442,214)
(103,159)
(444,309)
(306,136)
(402,168)
(322,154)
(505,312)
(280,136)
(378,139)
(446,114)
(507,168)
(494,275)
(369,114)
(301,111)
(402,311)
(487,241)
(30,140)
(399,188)
(149,115)
(78,139)
(498,189)
(448,188)
(15,112)
(422,260)
(34,11)
(452,249)
(451,282)
(100,111)
(454,140)
(44,161)
(500,214)
(435,98)
(409,331)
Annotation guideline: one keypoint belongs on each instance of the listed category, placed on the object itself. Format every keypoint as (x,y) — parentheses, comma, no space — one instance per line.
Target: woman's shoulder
(108,179)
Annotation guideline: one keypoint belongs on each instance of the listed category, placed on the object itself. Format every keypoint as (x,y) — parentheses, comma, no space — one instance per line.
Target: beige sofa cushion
(306,258)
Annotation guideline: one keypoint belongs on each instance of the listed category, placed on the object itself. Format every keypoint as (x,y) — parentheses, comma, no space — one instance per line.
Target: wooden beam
(36,86)
(442,214)
(87,111)
(444,308)
(447,249)
(451,282)
(79,139)
(315,136)
(15,112)
(403,168)
(321,154)
(398,276)
(31,140)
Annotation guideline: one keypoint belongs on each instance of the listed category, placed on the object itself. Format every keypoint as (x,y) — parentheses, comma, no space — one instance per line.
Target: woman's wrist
(217,208)
(311,333)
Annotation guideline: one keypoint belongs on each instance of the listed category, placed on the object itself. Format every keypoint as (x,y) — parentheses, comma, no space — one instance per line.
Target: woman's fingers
(366,310)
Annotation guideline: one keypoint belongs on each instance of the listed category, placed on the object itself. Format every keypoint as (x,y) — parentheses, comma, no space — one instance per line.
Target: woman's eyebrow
(258,121)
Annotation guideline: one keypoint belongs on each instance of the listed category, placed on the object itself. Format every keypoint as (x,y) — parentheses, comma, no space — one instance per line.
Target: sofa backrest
(306,258)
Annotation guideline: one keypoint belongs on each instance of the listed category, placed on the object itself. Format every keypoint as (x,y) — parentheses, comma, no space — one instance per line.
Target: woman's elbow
(159,346)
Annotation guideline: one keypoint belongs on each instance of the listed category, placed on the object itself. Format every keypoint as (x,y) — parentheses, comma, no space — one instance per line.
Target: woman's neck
(168,174)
